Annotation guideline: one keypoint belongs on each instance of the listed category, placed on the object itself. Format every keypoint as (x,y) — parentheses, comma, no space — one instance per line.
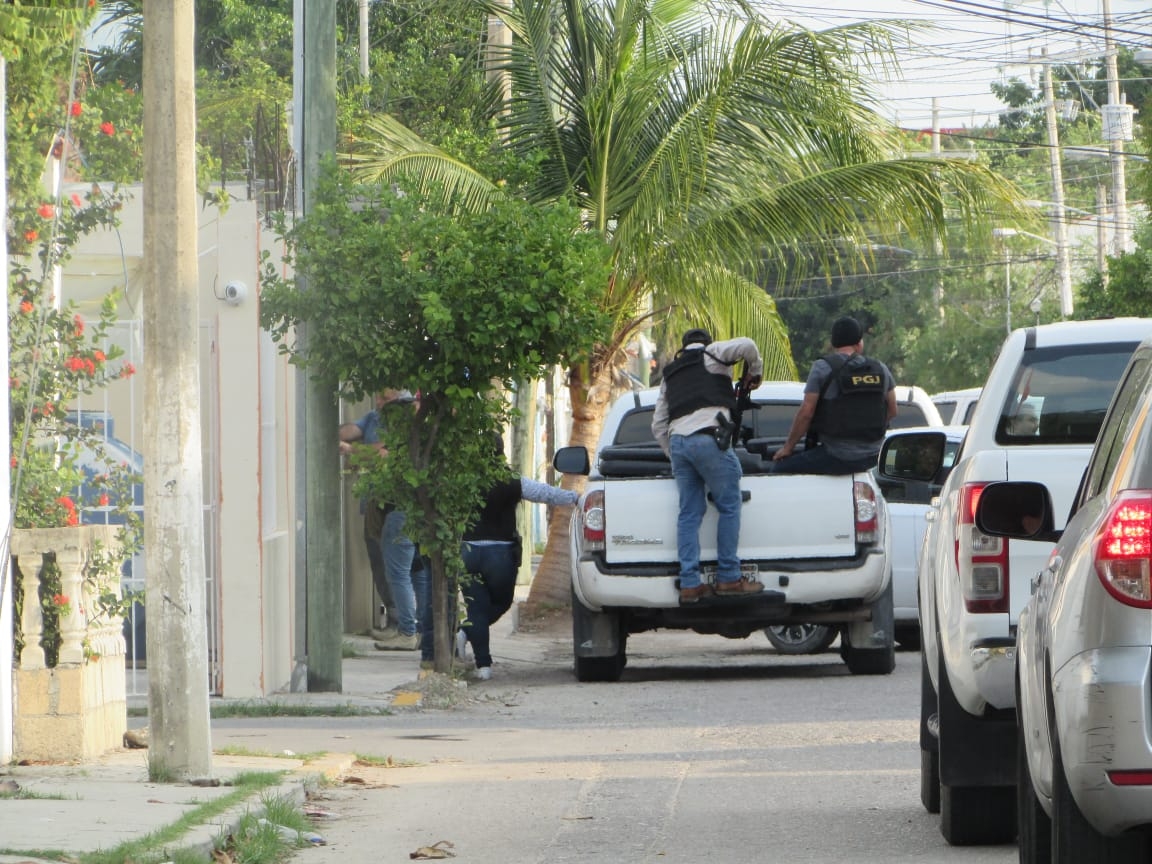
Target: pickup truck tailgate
(641,515)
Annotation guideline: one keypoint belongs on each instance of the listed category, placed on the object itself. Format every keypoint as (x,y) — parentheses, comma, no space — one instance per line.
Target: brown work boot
(399,642)
(693,594)
(740,586)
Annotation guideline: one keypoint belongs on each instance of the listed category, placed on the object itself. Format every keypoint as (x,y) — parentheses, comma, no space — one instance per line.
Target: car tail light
(1124,547)
(592,519)
(1130,778)
(981,560)
(867,524)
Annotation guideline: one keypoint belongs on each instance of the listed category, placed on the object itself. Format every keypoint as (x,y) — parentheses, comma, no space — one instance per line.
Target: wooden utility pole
(318,465)
(175,589)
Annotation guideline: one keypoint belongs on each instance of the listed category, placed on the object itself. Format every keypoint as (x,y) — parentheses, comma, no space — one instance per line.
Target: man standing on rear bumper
(696,401)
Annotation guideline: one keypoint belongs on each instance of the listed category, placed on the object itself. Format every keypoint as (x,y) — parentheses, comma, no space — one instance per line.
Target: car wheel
(1074,840)
(1033,826)
(801,638)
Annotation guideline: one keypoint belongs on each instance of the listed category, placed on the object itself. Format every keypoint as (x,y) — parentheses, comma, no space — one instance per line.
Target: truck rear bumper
(798,584)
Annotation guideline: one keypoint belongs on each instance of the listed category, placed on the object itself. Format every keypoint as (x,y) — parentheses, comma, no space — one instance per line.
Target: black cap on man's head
(696,334)
(846,331)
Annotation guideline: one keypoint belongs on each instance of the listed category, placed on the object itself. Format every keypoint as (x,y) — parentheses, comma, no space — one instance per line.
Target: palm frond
(394,151)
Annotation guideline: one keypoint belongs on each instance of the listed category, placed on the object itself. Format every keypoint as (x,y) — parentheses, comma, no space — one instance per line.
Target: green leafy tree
(698,142)
(402,293)
(1128,290)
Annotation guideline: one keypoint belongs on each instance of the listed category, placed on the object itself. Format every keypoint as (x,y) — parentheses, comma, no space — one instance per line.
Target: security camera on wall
(235,293)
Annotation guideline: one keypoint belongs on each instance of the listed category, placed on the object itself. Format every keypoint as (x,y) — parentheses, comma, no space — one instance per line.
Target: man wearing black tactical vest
(849,399)
(693,425)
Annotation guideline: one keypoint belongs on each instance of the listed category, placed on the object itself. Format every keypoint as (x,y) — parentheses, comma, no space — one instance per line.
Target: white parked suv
(956,406)
(1084,646)
(973,586)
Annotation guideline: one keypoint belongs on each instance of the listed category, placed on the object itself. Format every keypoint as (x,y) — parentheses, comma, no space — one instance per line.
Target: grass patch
(29,795)
(237,750)
(269,838)
(152,848)
(272,708)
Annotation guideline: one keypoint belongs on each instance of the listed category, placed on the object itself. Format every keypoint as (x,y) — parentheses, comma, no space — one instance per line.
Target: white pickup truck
(971,586)
(819,544)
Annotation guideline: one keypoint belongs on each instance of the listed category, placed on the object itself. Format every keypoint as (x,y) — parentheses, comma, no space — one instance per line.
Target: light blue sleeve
(542,493)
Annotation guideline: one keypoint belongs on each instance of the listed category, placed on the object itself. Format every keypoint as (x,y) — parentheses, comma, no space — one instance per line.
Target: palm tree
(703,143)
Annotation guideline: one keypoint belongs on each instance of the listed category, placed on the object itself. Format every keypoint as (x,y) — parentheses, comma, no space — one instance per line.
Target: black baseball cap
(846,331)
(694,335)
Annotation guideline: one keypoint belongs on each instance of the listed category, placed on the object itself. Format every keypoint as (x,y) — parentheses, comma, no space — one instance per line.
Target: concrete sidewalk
(99,805)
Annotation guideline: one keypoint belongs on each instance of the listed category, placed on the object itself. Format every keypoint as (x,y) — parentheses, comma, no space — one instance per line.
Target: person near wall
(849,399)
(407,578)
(365,431)
(694,409)
(491,550)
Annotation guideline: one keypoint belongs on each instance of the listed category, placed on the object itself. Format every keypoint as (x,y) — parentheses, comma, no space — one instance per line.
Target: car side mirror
(1017,510)
(572,460)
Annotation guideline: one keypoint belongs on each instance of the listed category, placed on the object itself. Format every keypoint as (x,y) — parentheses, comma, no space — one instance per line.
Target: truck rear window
(1060,394)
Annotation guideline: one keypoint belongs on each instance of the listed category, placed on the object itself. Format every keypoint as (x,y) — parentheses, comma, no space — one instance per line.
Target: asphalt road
(709,750)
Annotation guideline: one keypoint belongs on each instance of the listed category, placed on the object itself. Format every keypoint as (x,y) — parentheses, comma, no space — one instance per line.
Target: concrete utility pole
(318,463)
(364,40)
(175,590)
(1059,225)
(1119,127)
(6,646)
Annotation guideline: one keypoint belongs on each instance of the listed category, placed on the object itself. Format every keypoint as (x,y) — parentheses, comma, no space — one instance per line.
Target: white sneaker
(484,673)
(461,645)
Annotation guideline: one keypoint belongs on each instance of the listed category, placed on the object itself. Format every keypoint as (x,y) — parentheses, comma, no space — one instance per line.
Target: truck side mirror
(912,456)
(572,460)
(1018,510)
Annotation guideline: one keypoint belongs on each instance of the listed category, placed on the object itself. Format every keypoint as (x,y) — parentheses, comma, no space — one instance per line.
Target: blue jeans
(819,461)
(699,466)
(409,587)
(489,592)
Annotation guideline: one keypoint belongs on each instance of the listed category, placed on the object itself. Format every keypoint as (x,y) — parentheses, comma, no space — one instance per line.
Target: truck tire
(869,647)
(801,638)
(601,634)
(929,746)
(970,815)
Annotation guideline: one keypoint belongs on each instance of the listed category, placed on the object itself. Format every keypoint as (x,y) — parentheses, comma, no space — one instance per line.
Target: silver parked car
(1084,645)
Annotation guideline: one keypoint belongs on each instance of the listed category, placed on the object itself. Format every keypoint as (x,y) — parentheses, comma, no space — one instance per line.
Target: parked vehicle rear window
(766,420)
(908,414)
(1061,394)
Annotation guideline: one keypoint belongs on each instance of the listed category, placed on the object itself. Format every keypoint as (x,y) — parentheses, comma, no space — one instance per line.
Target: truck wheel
(970,815)
(1034,828)
(977,815)
(590,669)
(878,634)
(801,638)
(929,749)
(602,633)
(1073,837)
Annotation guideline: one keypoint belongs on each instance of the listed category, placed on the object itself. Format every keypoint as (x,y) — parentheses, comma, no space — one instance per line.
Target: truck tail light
(592,519)
(1124,547)
(867,525)
(1130,778)
(981,561)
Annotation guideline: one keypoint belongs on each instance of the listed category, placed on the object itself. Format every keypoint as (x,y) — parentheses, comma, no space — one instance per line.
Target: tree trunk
(590,400)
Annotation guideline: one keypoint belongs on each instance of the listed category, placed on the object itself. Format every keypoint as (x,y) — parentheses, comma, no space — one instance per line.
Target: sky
(973,43)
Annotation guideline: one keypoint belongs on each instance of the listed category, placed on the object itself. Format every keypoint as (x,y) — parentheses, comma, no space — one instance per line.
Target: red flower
(59,599)
(46,211)
(31,235)
(66,502)
(89,366)
(26,306)
(79,322)
(103,501)
(13,462)
(107,128)
(127,371)
(72,519)
(99,355)
(77,200)
(75,108)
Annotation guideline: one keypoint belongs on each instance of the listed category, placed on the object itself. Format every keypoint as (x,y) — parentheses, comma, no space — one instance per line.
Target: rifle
(728,431)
